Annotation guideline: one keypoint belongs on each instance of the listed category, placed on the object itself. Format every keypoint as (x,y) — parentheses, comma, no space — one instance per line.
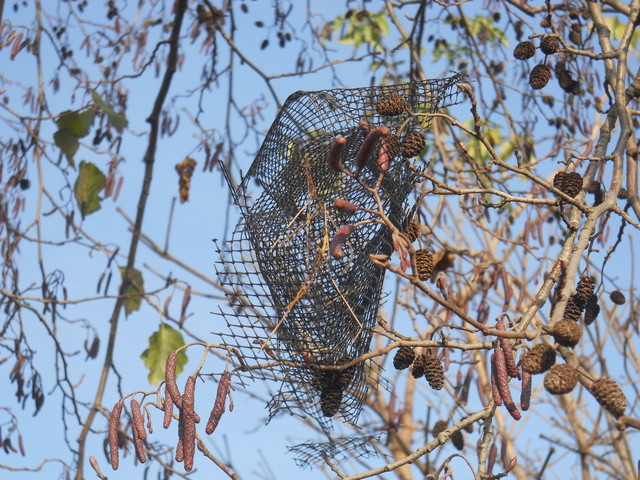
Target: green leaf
(77,123)
(161,343)
(134,291)
(67,141)
(118,120)
(90,182)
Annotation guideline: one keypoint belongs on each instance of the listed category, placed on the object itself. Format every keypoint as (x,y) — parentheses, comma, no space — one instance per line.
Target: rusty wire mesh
(292,302)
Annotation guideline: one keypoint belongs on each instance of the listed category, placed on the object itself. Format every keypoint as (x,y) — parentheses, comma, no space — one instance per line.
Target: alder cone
(524,50)
(330,400)
(439,427)
(617,297)
(567,333)
(403,358)
(539,76)
(549,44)
(413,144)
(457,438)
(539,359)
(573,309)
(560,379)
(424,264)
(591,310)
(391,105)
(412,232)
(434,372)
(608,394)
(419,365)
(585,288)
(568,183)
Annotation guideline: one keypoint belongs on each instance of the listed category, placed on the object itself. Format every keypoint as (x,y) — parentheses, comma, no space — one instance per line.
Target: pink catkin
(507,349)
(384,159)
(189,435)
(114,426)
(219,405)
(168,408)
(344,206)
(502,380)
(495,392)
(369,142)
(336,246)
(171,386)
(525,392)
(335,152)
(139,433)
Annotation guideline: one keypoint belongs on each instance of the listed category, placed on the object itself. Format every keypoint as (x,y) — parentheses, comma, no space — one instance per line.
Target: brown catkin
(525,392)
(495,393)
(224,386)
(366,149)
(502,379)
(189,426)
(507,349)
(139,433)
(168,408)
(114,426)
(171,387)
(333,158)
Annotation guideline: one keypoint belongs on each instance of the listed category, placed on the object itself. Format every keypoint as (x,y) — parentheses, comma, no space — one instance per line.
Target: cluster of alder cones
(187,419)
(567,332)
(541,74)
(423,365)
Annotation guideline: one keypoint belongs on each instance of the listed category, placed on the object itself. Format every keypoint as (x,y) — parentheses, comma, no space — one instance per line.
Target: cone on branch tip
(539,76)
(391,105)
(403,358)
(524,50)
(539,359)
(608,394)
(560,379)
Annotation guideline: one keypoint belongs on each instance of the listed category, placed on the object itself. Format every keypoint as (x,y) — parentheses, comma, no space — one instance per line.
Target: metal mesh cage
(303,294)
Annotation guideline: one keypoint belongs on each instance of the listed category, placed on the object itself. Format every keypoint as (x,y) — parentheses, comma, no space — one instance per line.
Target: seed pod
(434,372)
(171,386)
(336,246)
(219,405)
(419,365)
(345,207)
(585,288)
(369,143)
(560,379)
(525,392)
(330,400)
(507,349)
(168,409)
(335,152)
(573,309)
(424,264)
(617,297)
(391,105)
(539,359)
(608,394)
(412,232)
(114,426)
(457,438)
(139,433)
(413,144)
(403,358)
(438,427)
(566,333)
(524,50)
(190,420)
(568,183)
(539,76)
(591,310)
(549,44)
(502,378)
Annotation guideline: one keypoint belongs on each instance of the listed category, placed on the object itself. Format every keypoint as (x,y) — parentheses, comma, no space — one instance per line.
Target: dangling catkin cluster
(434,372)
(403,358)
(569,183)
(608,394)
(413,144)
(424,264)
(391,105)
(560,379)
(539,76)
(539,359)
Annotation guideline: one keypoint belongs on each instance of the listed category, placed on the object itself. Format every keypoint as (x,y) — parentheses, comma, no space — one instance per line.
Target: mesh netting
(305,293)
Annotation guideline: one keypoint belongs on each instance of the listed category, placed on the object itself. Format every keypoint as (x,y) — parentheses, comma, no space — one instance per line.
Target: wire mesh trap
(303,294)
